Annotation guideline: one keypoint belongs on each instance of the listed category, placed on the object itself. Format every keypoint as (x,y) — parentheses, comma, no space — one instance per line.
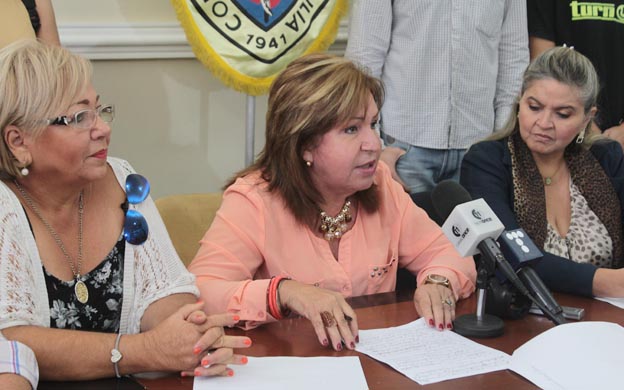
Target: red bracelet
(274,308)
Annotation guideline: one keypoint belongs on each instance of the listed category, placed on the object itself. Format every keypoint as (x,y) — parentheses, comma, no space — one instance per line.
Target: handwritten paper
(286,373)
(427,355)
(619,302)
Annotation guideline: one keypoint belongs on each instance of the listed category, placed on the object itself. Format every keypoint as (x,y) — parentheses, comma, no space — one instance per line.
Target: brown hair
(308,98)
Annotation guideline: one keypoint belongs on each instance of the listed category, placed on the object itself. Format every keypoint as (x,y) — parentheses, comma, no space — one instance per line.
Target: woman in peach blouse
(318,218)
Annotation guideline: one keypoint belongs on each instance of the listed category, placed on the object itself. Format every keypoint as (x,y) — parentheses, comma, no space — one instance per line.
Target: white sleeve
(17,358)
(370,29)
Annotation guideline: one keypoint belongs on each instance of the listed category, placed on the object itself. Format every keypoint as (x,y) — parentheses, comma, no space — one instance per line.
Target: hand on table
(436,304)
(195,344)
(334,321)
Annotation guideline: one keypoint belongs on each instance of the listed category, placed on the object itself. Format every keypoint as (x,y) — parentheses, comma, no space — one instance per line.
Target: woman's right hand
(331,316)
(195,345)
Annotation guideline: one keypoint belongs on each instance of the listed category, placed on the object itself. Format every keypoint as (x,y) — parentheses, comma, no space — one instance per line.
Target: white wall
(176,123)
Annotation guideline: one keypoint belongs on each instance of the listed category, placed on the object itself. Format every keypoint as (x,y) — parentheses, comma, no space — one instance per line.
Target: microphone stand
(480,324)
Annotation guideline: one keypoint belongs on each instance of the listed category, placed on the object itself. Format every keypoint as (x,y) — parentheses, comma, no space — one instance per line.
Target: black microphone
(540,292)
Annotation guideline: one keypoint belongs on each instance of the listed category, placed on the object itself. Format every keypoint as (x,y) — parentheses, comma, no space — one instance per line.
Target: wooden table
(295,337)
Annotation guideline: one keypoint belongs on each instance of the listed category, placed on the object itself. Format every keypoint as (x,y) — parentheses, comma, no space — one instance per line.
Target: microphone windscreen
(446,195)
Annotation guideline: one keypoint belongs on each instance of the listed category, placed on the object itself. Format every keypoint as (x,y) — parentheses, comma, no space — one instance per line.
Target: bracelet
(272,297)
(116,356)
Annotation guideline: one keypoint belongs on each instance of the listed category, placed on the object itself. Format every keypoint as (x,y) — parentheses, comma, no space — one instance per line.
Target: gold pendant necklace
(80,288)
(548,180)
(333,227)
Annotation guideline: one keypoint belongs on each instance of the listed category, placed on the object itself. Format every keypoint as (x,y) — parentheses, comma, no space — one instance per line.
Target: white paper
(427,355)
(580,355)
(619,302)
(287,373)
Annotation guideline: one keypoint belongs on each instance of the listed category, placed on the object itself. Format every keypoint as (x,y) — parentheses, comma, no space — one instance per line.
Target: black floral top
(102,312)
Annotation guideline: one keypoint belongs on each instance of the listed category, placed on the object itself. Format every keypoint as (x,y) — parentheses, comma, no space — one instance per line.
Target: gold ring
(328,319)
(448,301)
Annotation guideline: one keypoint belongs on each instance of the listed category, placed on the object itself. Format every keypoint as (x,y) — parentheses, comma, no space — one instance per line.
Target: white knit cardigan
(152,270)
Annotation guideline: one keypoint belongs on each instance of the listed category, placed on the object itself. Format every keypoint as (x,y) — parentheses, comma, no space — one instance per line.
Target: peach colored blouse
(254,237)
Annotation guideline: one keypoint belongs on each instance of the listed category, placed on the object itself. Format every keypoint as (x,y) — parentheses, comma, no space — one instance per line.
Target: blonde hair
(308,98)
(37,82)
(568,67)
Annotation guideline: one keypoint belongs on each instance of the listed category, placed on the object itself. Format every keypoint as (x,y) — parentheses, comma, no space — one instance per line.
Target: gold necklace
(80,288)
(548,180)
(333,227)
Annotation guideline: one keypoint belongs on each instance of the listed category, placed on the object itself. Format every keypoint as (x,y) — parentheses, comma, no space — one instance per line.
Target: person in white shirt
(452,70)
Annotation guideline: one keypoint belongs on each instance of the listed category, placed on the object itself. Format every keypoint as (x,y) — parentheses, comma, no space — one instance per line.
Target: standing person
(452,70)
(596,29)
(89,278)
(318,218)
(22,19)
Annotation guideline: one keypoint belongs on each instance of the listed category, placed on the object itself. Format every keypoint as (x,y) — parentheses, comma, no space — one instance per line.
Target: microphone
(540,292)
(472,227)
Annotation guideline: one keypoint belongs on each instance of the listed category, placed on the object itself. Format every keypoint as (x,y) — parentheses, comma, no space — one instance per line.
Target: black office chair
(405,280)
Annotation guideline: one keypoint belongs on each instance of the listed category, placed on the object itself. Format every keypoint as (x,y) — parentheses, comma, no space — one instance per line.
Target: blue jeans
(422,168)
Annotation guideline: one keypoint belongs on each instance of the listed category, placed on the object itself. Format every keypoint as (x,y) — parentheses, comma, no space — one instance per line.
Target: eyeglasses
(84,119)
(135,226)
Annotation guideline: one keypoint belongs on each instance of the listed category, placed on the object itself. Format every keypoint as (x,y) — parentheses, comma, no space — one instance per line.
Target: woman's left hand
(436,304)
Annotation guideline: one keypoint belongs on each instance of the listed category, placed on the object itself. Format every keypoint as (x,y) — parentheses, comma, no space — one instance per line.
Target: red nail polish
(357,338)
(200,302)
(339,347)
(431,322)
(352,345)
(244,360)
(197,373)
(230,373)
(325,343)
(449,326)
(205,362)
(236,318)
(183,374)
(196,350)
(440,326)
(247,342)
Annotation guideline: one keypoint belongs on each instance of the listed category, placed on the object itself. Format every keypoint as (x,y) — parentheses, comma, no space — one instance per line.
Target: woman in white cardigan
(84,256)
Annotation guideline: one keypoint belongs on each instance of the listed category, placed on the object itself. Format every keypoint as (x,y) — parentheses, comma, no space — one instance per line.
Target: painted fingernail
(449,326)
(197,373)
(325,343)
(236,318)
(205,362)
(440,326)
(230,373)
(352,345)
(183,374)
(357,338)
(247,342)
(200,302)
(244,360)
(431,322)
(339,347)
(197,350)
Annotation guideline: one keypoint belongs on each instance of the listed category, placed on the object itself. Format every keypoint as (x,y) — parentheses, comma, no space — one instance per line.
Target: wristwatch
(438,279)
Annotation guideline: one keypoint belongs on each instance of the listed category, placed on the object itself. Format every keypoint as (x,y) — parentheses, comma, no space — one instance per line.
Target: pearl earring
(24,171)
(309,163)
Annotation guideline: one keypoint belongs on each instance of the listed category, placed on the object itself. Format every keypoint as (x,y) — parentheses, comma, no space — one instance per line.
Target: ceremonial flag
(245,43)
